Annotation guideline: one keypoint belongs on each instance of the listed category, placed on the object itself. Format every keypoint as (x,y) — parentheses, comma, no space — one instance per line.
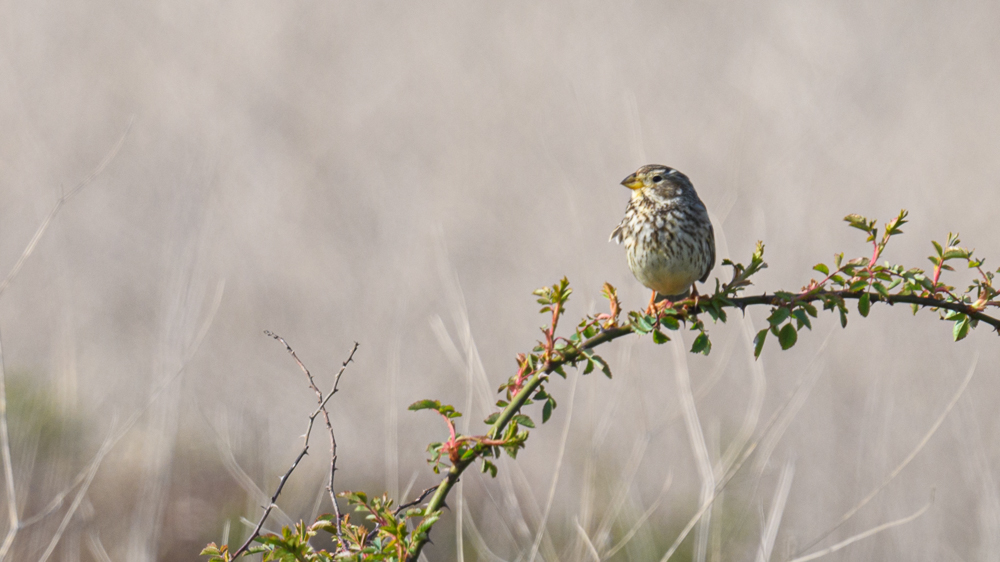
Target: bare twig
(270,506)
(420,499)
(321,409)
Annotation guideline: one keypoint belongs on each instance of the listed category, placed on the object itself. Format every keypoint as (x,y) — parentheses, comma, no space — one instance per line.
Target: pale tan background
(404,175)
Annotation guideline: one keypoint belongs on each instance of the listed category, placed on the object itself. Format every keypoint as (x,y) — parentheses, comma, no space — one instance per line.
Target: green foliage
(445,410)
(388,539)
(399,534)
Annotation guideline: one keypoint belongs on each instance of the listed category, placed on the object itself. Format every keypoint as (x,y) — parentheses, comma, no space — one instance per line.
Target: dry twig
(321,409)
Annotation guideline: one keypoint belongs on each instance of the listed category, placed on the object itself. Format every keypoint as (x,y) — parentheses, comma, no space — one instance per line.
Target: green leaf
(952,253)
(938,248)
(670,323)
(883,290)
(643,324)
(524,420)
(843,315)
(802,319)
(822,268)
(547,410)
(892,228)
(778,316)
(961,328)
(758,342)
(492,418)
(788,336)
(488,466)
(425,405)
(701,344)
(604,366)
(857,221)
(720,313)
(810,309)
(659,337)
(864,304)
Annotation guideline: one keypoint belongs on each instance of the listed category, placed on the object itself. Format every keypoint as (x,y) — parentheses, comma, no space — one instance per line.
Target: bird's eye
(657,179)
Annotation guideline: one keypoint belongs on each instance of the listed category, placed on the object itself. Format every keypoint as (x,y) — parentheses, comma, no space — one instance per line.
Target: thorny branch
(859,280)
(539,376)
(270,506)
(321,400)
(417,501)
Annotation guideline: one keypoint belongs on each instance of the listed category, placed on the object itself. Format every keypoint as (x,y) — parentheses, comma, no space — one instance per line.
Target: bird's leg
(695,295)
(657,308)
(651,309)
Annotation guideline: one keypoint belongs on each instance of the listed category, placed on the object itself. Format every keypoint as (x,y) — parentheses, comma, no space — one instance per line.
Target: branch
(270,506)
(927,302)
(858,279)
(322,400)
(573,355)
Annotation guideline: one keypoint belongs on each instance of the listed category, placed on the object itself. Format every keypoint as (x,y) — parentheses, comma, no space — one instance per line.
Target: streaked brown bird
(667,233)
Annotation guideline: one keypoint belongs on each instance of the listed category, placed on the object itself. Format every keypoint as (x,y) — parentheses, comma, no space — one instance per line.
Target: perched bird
(667,233)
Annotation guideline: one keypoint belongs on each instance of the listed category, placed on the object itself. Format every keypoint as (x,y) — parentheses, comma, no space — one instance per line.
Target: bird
(667,233)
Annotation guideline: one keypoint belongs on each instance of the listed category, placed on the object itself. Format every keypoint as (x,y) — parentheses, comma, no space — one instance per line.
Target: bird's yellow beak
(632,182)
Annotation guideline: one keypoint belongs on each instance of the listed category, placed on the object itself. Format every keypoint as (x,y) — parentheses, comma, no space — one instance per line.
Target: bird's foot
(695,296)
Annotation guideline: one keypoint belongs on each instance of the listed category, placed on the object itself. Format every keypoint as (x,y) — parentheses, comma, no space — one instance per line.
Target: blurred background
(403,175)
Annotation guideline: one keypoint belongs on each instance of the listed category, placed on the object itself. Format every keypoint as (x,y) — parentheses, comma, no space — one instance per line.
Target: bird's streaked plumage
(666,231)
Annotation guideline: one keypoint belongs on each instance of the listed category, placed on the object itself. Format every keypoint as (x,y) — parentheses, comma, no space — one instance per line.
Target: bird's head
(657,178)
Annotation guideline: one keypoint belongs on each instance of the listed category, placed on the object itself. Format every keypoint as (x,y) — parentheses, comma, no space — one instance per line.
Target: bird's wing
(617,235)
(711,261)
